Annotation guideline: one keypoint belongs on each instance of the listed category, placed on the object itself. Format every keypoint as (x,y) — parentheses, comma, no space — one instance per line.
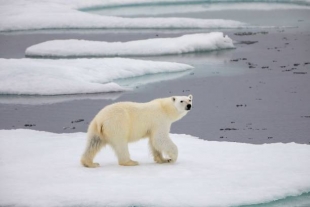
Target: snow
(54,14)
(149,47)
(42,169)
(56,77)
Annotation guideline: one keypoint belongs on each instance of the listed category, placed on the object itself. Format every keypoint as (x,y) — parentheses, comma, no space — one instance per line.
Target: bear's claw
(162,160)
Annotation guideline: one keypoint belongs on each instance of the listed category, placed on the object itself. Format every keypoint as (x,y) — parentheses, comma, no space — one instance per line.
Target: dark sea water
(266,104)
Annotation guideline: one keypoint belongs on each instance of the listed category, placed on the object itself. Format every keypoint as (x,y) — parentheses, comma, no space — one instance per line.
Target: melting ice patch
(55,14)
(159,46)
(56,77)
(42,169)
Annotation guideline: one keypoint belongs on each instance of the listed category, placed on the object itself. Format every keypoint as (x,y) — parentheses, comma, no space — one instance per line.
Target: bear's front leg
(161,142)
(172,152)
(157,155)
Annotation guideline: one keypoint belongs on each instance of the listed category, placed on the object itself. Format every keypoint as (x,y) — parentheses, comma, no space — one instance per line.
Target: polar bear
(124,122)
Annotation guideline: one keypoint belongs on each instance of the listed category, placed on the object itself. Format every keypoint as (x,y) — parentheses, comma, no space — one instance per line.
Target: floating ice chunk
(55,77)
(54,14)
(158,46)
(43,169)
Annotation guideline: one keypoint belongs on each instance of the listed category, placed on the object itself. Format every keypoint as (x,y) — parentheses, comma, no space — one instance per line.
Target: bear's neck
(171,111)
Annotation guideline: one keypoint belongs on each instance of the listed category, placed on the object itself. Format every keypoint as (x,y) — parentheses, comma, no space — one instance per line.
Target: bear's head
(183,103)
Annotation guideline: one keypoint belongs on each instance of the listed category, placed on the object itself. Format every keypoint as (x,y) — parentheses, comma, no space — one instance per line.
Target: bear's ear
(190,97)
(173,99)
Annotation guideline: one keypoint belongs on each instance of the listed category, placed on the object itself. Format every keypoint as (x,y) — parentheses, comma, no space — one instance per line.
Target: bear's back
(136,119)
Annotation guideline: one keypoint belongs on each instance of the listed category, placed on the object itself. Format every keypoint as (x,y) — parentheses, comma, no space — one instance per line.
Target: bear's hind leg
(122,153)
(94,144)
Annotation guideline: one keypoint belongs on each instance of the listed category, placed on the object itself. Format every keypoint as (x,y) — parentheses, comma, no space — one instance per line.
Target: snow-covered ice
(54,14)
(149,47)
(56,77)
(42,169)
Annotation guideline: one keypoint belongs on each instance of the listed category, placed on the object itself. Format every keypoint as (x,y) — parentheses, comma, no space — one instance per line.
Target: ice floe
(54,14)
(20,15)
(56,77)
(42,169)
(149,47)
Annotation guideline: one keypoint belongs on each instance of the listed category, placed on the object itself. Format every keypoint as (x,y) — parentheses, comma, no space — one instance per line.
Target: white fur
(124,122)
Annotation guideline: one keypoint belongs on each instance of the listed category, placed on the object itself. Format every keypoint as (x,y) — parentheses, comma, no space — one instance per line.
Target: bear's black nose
(188,107)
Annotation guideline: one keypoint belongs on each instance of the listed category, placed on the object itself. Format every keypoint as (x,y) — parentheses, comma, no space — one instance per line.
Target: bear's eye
(181,101)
